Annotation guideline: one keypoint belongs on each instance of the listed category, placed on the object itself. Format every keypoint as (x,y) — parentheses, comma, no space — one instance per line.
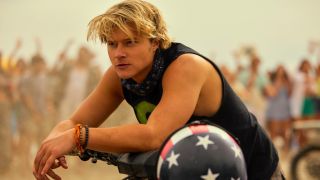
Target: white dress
(297,95)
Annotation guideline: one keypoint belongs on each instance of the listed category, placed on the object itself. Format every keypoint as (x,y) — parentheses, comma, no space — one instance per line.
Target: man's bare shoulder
(191,64)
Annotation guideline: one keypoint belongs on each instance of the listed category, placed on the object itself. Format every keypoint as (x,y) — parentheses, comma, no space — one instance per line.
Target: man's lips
(122,66)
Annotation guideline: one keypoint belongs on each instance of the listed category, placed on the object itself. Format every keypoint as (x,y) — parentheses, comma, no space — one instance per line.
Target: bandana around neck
(151,80)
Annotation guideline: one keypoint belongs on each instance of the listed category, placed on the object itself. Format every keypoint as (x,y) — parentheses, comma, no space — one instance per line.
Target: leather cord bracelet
(81,137)
(77,138)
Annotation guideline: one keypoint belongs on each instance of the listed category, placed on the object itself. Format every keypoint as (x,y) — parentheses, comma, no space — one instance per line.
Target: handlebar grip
(140,165)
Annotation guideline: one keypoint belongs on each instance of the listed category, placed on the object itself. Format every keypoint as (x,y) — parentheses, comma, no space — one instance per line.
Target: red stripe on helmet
(196,129)
(166,149)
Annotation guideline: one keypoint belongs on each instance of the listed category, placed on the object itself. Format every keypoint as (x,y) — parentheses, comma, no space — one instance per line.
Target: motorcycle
(305,163)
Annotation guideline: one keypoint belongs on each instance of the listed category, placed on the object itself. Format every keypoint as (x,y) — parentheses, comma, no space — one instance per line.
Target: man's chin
(124,76)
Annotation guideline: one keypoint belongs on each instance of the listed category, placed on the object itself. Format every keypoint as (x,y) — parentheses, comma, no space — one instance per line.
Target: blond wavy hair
(130,16)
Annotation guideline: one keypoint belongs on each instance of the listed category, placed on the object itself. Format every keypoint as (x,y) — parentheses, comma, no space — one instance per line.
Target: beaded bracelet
(77,138)
(86,139)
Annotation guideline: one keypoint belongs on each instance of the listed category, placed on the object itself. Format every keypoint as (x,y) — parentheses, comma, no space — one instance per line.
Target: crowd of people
(279,97)
(34,96)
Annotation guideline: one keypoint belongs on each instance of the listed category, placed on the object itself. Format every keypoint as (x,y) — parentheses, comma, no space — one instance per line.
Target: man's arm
(92,112)
(97,107)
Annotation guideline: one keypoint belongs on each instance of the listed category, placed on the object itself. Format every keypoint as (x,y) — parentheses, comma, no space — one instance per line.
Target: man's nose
(120,52)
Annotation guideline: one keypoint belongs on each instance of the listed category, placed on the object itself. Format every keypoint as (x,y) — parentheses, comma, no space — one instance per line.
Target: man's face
(131,58)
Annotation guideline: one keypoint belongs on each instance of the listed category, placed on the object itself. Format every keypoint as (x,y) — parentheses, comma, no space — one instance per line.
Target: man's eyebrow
(122,40)
(130,39)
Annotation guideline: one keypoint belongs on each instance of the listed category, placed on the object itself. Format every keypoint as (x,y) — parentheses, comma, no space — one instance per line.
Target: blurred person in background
(9,132)
(17,74)
(167,84)
(236,85)
(314,51)
(5,128)
(58,77)
(303,91)
(298,93)
(14,69)
(20,132)
(309,107)
(302,101)
(76,80)
(254,82)
(278,113)
(20,114)
(36,97)
(317,95)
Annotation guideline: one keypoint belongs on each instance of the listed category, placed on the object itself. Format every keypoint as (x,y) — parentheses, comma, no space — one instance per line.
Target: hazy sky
(280,29)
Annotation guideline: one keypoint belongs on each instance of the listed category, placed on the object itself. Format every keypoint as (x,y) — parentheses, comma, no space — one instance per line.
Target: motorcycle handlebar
(135,165)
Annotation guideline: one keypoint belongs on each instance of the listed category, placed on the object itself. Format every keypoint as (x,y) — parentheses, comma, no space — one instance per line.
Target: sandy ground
(77,170)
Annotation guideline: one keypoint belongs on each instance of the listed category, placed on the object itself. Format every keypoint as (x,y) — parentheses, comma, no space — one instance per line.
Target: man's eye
(111,44)
(130,43)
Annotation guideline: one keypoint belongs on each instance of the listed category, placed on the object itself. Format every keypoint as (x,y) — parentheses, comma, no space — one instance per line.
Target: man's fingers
(42,162)
(63,162)
(39,177)
(37,160)
(44,177)
(52,174)
(48,164)
(35,174)
(55,165)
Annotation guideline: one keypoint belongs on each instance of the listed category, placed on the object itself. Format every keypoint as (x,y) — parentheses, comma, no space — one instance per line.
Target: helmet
(201,151)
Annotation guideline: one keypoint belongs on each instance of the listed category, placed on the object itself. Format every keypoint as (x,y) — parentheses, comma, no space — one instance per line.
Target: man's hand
(50,155)
(61,161)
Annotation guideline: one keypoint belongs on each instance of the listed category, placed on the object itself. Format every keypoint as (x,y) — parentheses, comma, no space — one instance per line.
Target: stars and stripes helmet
(201,151)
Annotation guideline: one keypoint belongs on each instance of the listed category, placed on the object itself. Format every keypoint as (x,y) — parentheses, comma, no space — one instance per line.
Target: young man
(167,84)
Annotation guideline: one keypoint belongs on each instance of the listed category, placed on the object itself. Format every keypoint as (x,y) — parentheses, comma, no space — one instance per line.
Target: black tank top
(260,154)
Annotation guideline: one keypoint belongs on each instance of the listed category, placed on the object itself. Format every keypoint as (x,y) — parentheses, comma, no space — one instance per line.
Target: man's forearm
(126,138)
(61,127)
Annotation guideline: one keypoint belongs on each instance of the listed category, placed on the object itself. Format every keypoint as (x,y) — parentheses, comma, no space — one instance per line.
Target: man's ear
(155,44)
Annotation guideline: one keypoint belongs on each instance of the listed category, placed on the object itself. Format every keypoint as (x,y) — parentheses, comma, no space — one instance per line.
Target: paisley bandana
(151,80)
